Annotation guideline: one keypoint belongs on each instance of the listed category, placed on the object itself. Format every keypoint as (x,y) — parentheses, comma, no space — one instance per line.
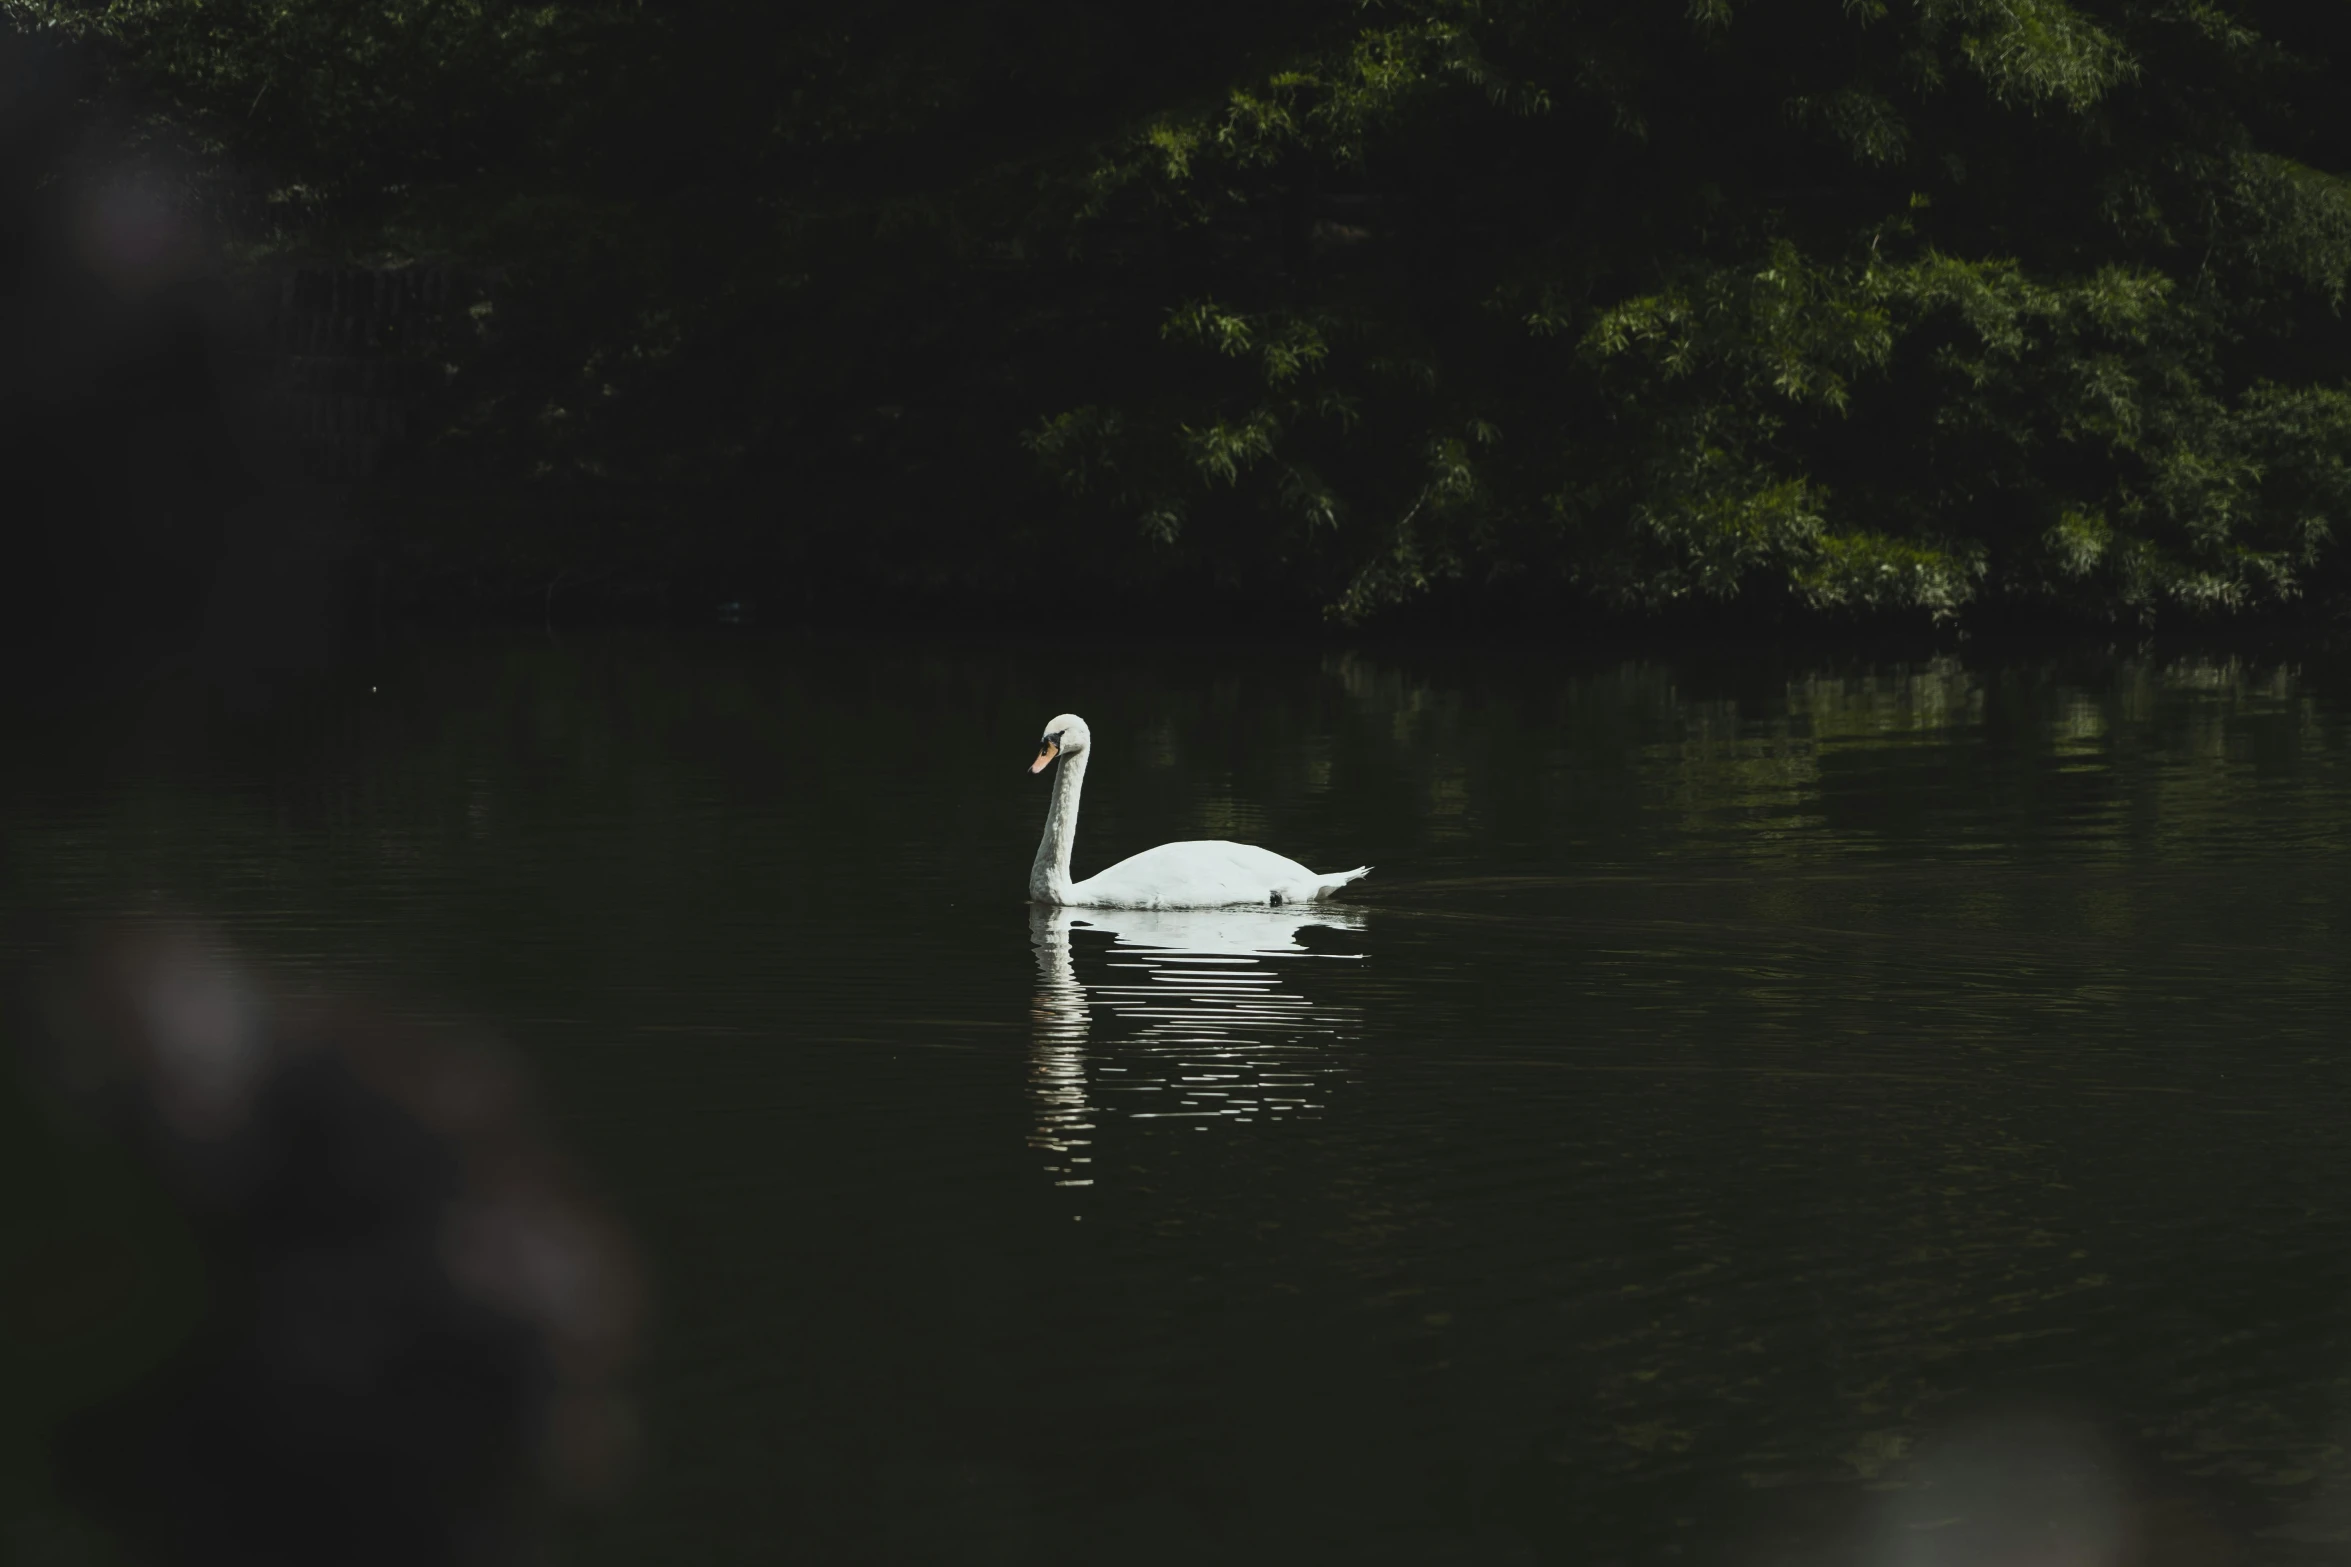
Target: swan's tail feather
(1324,886)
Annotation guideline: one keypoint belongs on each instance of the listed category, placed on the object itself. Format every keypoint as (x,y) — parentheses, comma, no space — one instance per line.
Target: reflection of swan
(1057,1066)
(1213,1032)
(1205,931)
(1200,875)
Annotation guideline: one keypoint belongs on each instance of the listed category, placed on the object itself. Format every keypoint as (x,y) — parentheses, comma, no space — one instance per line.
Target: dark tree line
(1924,307)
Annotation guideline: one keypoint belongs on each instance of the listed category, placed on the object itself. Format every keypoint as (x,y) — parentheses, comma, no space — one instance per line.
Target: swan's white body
(1207,874)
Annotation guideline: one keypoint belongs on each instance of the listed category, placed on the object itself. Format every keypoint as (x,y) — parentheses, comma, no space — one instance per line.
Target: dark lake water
(1760,1108)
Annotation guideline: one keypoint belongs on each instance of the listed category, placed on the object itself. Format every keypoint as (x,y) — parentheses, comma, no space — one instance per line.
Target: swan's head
(1064,736)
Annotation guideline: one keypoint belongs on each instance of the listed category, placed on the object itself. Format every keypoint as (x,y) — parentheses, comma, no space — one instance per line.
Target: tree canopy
(1911,306)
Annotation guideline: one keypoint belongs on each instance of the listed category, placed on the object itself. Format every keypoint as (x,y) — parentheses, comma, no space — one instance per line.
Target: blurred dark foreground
(297,1283)
(157,519)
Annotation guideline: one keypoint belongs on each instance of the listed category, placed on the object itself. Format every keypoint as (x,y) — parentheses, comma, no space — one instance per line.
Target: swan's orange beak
(1046,751)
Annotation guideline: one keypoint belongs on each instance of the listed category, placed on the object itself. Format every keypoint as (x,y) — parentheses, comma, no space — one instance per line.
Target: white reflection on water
(1209,1026)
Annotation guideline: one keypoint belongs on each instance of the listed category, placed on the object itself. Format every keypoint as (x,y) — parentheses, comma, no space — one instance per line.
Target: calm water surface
(1757,1110)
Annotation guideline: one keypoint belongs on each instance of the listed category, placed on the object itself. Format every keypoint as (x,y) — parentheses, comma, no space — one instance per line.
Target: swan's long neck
(1049,877)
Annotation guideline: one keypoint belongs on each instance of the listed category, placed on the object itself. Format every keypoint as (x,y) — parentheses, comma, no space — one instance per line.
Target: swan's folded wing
(1206,873)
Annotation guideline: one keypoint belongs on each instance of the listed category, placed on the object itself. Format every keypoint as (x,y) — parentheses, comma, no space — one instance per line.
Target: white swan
(1208,874)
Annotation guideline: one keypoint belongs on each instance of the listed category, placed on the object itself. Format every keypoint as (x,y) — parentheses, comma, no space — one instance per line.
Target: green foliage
(1896,307)
(2031,53)
(336,101)
(1895,311)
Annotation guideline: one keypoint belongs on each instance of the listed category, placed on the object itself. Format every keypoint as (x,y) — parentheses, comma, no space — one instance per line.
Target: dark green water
(1756,1110)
